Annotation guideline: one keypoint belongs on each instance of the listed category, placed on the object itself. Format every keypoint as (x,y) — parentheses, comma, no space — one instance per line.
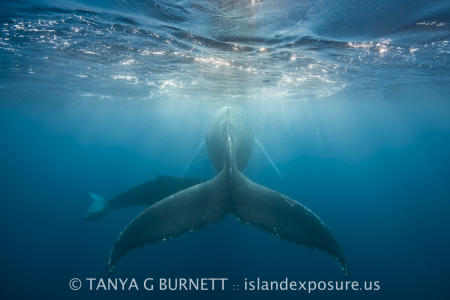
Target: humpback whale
(229,142)
(143,194)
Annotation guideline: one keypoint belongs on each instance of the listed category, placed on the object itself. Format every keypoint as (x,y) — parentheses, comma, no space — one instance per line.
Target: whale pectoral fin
(274,166)
(278,214)
(185,211)
(199,147)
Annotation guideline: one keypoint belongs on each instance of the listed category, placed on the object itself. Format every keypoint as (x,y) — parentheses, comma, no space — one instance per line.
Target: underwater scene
(225,149)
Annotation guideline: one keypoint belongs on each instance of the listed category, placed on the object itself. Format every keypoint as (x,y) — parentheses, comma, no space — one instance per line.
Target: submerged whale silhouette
(229,142)
(144,194)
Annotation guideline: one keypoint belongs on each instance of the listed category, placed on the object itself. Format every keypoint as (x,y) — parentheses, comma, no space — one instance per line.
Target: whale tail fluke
(97,209)
(286,218)
(207,203)
(188,210)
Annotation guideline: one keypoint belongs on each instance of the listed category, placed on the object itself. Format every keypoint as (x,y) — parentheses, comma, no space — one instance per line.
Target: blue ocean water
(349,98)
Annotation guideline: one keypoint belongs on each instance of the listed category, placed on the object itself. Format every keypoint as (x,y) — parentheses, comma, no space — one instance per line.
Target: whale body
(229,142)
(144,194)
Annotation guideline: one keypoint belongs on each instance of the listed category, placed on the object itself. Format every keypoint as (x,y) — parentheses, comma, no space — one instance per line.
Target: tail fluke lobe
(97,209)
(185,211)
(278,214)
